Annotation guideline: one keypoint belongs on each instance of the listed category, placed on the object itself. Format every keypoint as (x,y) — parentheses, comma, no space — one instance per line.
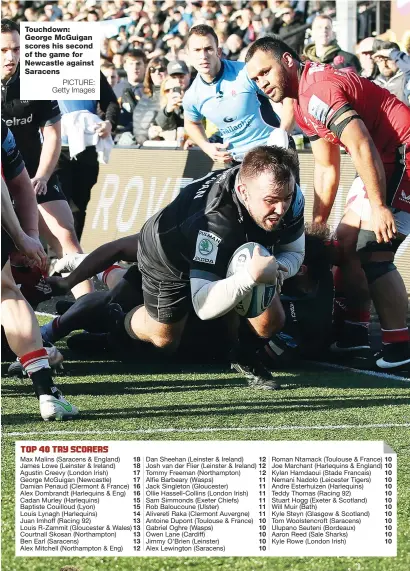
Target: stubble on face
(270,75)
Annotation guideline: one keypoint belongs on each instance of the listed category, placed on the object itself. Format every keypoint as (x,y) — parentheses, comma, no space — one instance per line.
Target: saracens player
(337,107)
(26,119)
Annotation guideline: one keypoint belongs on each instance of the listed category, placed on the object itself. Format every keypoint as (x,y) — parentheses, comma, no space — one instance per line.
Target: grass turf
(206,403)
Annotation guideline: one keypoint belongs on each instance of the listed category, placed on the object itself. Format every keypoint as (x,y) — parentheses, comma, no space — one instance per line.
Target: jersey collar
(217,76)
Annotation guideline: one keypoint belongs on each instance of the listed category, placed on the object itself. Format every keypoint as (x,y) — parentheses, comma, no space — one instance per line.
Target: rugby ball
(256,301)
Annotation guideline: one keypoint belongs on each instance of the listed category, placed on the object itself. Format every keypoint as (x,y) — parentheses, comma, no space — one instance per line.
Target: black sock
(249,342)
(86,313)
(42,382)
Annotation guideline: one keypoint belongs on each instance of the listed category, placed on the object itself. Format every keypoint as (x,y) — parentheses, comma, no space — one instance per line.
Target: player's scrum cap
(177,67)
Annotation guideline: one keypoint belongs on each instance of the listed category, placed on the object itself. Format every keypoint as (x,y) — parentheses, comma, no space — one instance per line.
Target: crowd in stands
(144,59)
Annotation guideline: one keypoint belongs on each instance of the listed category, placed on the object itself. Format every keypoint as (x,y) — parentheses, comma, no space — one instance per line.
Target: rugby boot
(257,375)
(56,407)
(67,263)
(393,356)
(353,338)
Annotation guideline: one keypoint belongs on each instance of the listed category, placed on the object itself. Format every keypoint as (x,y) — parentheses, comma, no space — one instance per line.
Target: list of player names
(213,498)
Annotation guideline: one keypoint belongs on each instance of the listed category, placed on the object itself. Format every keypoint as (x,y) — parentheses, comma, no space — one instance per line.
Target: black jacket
(294,33)
(170,121)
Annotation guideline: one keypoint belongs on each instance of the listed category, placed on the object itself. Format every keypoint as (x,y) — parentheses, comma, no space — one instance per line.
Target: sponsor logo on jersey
(22,121)
(206,247)
(229,119)
(233,128)
(318,109)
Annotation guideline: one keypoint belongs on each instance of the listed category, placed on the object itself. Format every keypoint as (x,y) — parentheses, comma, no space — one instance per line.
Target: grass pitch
(123,401)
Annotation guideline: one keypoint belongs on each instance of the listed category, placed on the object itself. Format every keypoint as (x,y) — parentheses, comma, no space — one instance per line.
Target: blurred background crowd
(144,59)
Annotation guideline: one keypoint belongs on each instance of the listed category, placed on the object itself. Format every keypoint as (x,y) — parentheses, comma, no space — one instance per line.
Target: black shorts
(7,247)
(167,296)
(54,191)
(78,176)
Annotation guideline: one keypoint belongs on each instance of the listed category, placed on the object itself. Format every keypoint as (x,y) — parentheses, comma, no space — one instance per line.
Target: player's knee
(375,270)
(166,343)
(346,240)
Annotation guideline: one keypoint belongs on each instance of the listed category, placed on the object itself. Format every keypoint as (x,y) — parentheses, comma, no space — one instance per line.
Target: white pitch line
(211,429)
(45,314)
(363,371)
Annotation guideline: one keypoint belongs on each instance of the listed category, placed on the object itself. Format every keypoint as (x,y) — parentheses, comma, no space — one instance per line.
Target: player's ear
(219,52)
(302,270)
(241,188)
(288,60)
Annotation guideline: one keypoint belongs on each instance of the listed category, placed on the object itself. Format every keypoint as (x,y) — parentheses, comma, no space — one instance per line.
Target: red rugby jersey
(324,90)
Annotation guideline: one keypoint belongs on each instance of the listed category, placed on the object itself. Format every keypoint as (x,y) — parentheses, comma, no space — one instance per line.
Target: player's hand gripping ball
(260,297)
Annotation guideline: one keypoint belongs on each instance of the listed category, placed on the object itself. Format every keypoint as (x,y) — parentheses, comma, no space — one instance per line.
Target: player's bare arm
(25,203)
(326,178)
(216,151)
(369,166)
(97,261)
(50,153)
(28,246)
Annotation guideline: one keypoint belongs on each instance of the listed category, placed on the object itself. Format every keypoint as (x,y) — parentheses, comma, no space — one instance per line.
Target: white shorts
(358,202)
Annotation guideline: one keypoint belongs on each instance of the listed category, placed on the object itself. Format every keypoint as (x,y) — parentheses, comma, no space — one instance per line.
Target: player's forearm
(9,220)
(104,257)
(291,256)
(196,132)
(326,182)
(50,151)
(370,168)
(287,119)
(25,203)
(214,299)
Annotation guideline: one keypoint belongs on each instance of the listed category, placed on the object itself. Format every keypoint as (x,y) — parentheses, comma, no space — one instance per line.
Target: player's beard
(281,88)
(262,221)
